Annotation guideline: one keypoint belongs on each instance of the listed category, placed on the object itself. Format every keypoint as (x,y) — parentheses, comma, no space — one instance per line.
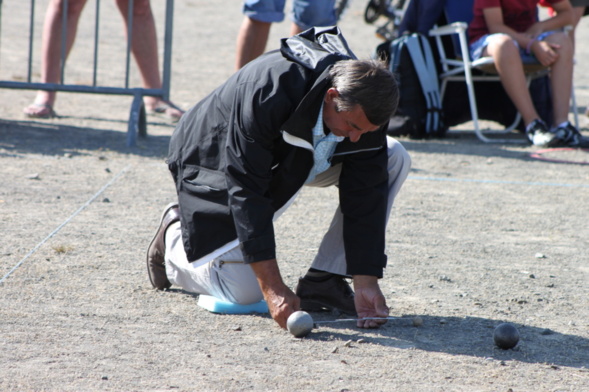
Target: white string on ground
(82,208)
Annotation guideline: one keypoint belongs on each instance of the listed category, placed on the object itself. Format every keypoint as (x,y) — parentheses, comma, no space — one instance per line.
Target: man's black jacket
(242,152)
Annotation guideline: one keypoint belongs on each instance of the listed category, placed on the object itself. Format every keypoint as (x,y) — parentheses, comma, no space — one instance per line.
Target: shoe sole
(562,143)
(318,306)
(313,306)
(168,207)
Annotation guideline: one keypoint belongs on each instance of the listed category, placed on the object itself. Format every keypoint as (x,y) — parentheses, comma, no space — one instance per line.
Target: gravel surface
(480,235)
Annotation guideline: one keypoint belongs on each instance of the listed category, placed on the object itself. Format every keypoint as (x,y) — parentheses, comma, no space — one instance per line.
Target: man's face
(351,124)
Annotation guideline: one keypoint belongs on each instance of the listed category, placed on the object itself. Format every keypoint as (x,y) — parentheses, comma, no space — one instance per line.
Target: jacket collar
(300,124)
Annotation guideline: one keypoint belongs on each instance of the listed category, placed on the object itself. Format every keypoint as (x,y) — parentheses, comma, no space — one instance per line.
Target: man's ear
(331,94)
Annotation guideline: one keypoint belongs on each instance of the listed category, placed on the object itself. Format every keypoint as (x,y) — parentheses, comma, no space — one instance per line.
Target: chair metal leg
(474,112)
(472,98)
(518,118)
(473,106)
(574,105)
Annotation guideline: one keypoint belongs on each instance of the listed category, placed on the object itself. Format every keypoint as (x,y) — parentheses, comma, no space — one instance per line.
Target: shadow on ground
(467,144)
(26,137)
(467,336)
(470,336)
(23,137)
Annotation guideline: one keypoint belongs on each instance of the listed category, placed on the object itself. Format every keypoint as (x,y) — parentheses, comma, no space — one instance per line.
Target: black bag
(419,114)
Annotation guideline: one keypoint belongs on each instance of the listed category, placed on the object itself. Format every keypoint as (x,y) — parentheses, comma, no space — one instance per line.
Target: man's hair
(367,83)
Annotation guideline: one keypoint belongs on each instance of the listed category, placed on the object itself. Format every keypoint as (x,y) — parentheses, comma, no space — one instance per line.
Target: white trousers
(224,275)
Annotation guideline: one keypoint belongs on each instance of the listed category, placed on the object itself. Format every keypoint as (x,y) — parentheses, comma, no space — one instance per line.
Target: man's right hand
(369,300)
(282,302)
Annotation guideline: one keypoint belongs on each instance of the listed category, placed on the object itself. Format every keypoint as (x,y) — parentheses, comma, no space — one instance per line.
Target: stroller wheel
(373,11)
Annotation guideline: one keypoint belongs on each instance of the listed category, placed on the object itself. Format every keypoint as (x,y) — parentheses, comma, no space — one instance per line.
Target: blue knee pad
(216,305)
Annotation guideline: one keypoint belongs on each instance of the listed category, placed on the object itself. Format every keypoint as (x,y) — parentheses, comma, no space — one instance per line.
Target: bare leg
(561,76)
(295,29)
(577,15)
(145,52)
(51,52)
(509,64)
(251,41)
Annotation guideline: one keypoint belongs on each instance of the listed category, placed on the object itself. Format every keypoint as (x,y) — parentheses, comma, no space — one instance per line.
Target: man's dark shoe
(155,253)
(333,293)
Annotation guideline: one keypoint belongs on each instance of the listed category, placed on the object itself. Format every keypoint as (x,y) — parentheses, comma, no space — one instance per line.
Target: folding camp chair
(460,67)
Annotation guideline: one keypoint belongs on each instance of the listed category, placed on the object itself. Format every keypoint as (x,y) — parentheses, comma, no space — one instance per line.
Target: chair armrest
(453,28)
(457,30)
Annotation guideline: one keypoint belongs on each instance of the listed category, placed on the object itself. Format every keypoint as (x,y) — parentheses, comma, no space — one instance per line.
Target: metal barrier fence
(137,125)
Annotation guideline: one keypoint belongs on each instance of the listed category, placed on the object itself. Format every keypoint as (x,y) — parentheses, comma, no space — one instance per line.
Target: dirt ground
(480,234)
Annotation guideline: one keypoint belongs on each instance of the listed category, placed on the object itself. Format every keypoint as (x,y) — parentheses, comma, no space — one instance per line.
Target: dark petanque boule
(506,336)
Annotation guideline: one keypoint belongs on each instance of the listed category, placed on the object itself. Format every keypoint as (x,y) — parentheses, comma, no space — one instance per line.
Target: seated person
(507,29)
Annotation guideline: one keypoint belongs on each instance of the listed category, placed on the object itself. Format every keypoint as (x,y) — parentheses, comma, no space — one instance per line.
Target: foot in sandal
(39,110)
(165,108)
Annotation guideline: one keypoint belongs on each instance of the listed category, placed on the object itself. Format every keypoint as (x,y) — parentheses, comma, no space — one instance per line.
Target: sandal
(168,109)
(40,110)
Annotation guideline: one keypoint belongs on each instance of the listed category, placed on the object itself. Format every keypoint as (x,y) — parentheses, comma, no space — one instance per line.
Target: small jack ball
(299,323)
(506,336)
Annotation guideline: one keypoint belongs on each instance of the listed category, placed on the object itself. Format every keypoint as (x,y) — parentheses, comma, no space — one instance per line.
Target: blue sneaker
(538,134)
(568,136)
